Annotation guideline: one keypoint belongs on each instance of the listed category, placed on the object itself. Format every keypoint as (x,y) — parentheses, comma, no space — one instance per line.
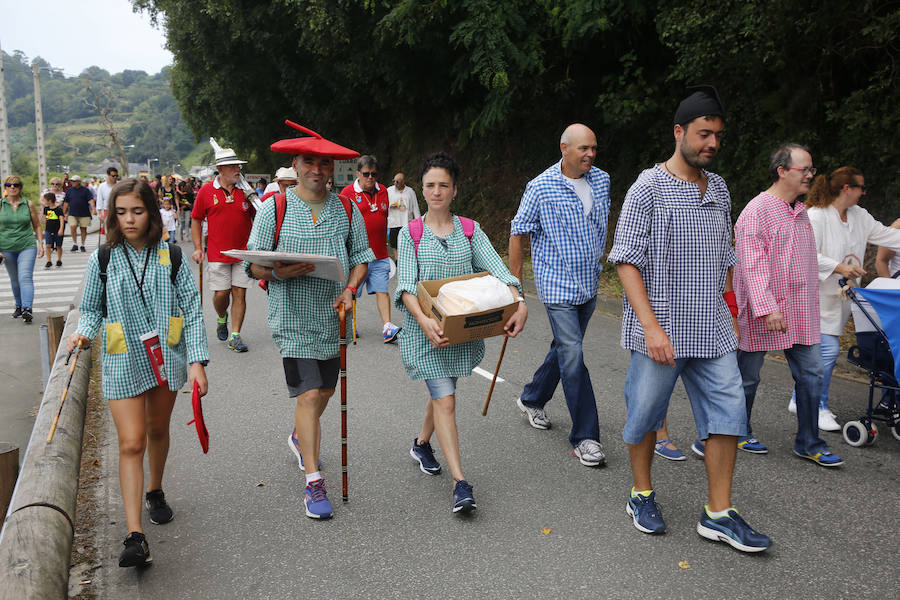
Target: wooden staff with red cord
(342,314)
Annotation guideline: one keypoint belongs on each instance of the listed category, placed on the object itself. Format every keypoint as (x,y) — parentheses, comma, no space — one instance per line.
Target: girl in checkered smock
(140,298)
(443,251)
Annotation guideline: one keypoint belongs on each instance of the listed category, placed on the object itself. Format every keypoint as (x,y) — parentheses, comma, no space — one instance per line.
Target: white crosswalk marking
(54,288)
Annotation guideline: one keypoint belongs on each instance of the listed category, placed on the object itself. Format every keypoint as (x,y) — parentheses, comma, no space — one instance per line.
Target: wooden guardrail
(36,540)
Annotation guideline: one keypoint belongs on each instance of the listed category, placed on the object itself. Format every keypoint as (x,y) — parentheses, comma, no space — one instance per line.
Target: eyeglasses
(806,170)
(15,185)
(858,185)
(368,173)
(113,175)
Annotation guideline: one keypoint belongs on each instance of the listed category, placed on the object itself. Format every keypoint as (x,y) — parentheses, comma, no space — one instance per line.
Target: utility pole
(5,166)
(39,125)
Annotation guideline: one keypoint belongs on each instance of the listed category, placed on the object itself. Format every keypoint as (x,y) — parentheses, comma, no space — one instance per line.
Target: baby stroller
(872,352)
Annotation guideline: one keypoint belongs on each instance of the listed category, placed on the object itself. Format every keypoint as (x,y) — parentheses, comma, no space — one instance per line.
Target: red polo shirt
(374,212)
(230,220)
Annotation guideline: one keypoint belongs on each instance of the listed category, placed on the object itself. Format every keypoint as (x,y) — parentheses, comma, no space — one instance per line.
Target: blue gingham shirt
(681,244)
(566,244)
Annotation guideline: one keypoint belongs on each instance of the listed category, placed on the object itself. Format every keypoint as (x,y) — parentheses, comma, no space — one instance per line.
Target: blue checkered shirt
(566,244)
(681,244)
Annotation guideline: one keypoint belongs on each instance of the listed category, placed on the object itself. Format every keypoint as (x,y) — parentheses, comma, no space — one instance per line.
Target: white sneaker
(590,453)
(536,416)
(827,421)
(792,406)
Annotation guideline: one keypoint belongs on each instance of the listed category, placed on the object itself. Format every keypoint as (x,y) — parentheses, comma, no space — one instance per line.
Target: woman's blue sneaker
(699,448)
(424,455)
(663,450)
(753,446)
(294,443)
(734,531)
(317,504)
(463,500)
(645,513)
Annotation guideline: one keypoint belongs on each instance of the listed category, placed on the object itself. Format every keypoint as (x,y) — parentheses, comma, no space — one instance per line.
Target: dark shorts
(394,233)
(304,374)
(52,239)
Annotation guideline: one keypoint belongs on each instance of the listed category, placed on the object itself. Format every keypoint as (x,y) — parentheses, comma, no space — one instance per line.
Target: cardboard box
(469,326)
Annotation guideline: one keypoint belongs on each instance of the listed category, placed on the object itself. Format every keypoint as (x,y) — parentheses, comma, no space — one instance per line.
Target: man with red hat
(371,198)
(229,217)
(306,331)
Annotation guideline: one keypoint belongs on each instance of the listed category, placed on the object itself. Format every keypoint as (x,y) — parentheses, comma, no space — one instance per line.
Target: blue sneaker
(294,443)
(463,500)
(825,459)
(699,448)
(390,333)
(644,511)
(236,344)
(753,446)
(222,330)
(734,531)
(663,450)
(316,501)
(424,455)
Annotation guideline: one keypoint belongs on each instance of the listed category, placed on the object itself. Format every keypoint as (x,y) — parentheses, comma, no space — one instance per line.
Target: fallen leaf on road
(261,484)
(545,530)
(683,564)
(84,582)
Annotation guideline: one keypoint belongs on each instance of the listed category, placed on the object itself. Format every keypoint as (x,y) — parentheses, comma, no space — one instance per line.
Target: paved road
(240,529)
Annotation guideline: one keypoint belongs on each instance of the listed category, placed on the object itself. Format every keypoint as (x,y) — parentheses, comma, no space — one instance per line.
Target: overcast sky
(77,35)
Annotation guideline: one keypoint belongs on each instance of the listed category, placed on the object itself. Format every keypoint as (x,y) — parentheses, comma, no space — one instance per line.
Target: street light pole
(5,166)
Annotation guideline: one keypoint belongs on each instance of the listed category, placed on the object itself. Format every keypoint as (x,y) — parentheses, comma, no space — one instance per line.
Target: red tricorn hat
(312,146)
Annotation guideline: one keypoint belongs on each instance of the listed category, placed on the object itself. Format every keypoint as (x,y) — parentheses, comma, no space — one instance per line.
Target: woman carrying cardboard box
(443,248)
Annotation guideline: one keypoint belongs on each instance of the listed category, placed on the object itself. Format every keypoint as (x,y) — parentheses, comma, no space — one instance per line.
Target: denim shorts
(377,277)
(53,239)
(440,387)
(713,386)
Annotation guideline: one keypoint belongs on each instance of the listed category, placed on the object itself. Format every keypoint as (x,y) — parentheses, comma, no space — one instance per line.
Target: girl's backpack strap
(280,209)
(468,227)
(175,257)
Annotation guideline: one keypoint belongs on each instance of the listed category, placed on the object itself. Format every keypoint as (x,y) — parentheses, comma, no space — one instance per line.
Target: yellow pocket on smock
(164,259)
(115,339)
(176,324)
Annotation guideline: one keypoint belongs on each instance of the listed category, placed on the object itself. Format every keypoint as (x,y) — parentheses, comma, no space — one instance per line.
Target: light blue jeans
(713,387)
(441,387)
(831,348)
(20,267)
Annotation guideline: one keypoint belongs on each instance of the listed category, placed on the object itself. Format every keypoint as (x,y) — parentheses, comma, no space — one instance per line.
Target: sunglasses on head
(15,185)
(369,173)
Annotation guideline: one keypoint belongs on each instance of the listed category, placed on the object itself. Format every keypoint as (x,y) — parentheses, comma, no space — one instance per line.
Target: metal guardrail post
(36,540)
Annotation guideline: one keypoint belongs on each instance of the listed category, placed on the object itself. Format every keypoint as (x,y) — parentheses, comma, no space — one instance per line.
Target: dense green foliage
(496,82)
(142,108)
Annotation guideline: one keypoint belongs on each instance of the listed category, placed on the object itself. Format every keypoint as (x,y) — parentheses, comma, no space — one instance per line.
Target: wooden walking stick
(62,400)
(342,315)
(494,380)
(354,319)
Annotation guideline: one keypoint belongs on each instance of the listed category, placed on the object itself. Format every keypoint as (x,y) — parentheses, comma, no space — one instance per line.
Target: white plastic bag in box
(473,295)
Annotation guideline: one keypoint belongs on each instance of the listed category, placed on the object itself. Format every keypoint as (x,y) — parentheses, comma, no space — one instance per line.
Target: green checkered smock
(461,257)
(300,316)
(126,368)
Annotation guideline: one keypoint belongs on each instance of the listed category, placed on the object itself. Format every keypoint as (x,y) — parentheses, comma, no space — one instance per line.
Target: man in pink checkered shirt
(777,288)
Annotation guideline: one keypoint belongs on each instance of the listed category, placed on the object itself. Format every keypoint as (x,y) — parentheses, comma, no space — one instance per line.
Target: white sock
(719,514)
(310,477)
(385,327)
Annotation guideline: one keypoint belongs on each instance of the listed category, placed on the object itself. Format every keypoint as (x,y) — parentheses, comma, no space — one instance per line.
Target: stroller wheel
(855,433)
(873,435)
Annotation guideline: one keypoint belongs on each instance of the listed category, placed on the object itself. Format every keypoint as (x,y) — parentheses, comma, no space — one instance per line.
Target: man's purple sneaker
(295,448)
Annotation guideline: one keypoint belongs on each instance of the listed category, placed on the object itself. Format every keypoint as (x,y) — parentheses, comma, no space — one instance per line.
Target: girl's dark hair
(826,188)
(441,160)
(114,235)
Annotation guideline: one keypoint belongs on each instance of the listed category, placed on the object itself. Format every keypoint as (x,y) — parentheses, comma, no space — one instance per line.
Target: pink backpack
(417,228)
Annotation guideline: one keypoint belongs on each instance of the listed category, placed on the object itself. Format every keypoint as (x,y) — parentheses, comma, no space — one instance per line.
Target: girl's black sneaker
(160,511)
(59,263)
(136,552)
(48,265)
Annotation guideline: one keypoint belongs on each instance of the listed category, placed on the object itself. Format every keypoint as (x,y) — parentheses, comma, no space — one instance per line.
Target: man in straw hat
(306,332)
(674,257)
(285,177)
(229,218)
